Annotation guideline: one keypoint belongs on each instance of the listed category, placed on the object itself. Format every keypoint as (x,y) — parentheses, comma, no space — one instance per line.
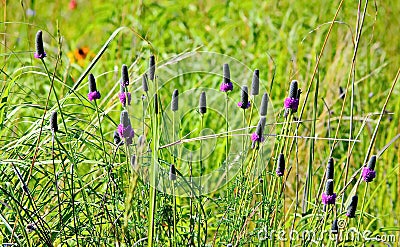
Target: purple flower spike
(243,106)
(122,98)
(291,103)
(126,132)
(40,53)
(94,95)
(255,137)
(225,87)
(328,199)
(368,174)
(93,92)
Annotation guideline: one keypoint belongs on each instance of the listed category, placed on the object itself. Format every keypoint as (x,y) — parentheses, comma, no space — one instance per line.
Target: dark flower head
(133,161)
(156,106)
(293,90)
(335,227)
(117,137)
(372,162)
(141,141)
(92,83)
(203,103)
(93,93)
(351,210)
(245,103)
(125,76)
(329,187)
(227,73)
(330,169)
(53,122)
(123,96)
(264,105)
(174,101)
(152,67)
(255,84)
(226,84)
(280,170)
(124,119)
(172,172)
(144,83)
(40,54)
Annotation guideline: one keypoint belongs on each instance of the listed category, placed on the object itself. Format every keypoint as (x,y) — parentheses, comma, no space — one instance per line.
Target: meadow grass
(199,175)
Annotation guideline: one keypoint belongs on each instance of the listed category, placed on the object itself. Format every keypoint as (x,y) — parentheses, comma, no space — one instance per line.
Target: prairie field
(199,123)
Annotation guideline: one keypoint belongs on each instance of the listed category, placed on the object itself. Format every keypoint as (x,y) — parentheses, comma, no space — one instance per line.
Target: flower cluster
(368,173)
(291,103)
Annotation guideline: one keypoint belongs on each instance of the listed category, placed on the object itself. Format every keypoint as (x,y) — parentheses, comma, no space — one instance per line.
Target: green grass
(79,188)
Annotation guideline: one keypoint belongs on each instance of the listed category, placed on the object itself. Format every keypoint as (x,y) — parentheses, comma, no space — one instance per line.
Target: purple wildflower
(93,93)
(123,96)
(245,103)
(226,84)
(291,103)
(225,87)
(328,199)
(258,135)
(40,53)
(126,132)
(368,174)
(125,129)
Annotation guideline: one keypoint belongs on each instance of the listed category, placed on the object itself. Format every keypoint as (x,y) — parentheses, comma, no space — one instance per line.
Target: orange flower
(79,55)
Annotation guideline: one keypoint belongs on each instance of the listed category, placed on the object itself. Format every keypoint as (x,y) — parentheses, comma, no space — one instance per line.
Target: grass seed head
(255,83)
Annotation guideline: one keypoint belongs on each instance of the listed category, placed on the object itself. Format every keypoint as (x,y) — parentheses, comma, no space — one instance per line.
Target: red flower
(72,4)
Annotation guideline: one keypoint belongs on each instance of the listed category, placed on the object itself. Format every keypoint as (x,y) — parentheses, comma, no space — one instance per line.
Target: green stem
(101,132)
